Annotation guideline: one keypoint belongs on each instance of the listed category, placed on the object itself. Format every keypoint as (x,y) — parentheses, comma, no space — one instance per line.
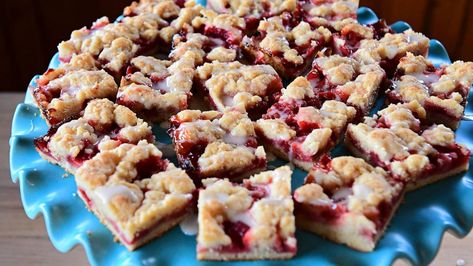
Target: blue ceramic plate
(414,234)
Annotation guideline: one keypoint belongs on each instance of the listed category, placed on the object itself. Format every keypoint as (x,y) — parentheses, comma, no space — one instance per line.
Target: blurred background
(31,29)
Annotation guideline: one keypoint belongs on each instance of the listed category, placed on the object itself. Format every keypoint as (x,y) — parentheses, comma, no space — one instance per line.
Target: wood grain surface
(25,242)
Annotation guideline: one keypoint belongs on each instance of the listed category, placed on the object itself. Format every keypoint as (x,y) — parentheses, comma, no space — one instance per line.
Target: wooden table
(25,242)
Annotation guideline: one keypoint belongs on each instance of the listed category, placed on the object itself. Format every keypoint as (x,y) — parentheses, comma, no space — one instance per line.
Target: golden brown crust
(250,8)
(236,86)
(75,138)
(226,136)
(268,218)
(357,190)
(109,181)
(74,88)
(392,46)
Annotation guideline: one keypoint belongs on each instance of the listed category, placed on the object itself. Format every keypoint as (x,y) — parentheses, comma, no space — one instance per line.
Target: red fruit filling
(444,160)
(188,154)
(351,40)
(89,149)
(178,213)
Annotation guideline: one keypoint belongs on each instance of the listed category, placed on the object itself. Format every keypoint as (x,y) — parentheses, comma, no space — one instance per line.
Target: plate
(415,232)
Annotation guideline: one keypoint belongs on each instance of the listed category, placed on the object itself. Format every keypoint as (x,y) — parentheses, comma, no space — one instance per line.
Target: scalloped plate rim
(83,239)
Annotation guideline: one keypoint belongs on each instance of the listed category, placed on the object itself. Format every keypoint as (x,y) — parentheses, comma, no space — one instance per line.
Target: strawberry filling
(177,214)
(334,211)
(347,42)
(240,233)
(444,160)
(189,152)
(89,149)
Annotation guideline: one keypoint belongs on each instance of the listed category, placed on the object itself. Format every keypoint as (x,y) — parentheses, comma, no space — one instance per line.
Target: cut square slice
(328,13)
(234,86)
(114,44)
(253,11)
(157,89)
(251,221)
(177,15)
(227,28)
(206,49)
(165,9)
(213,144)
(391,48)
(135,193)
(102,126)
(442,91)
(345,79)
(348,201)
(62,93)
(397,140)
(347,40)
(289,49)
(297,131)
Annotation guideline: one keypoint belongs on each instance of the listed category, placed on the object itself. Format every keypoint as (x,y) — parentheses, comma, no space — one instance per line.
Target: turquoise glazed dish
(414,234)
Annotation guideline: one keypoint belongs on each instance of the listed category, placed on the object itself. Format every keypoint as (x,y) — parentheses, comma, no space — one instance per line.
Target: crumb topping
(268,218)
(236,85)
(76,137)
(299,89)
(275,129)
(349,181)
(337,69)
(439,135)
(247,8)
(74,89)
(110,181)
(392,45)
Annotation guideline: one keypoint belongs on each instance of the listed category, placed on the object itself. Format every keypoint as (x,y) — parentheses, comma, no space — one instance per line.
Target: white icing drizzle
(162,86)
(342,194)
(189,225)
(244,217)
(70,91)
(227,100)
(361,191)
(237,140)
(427,79)
(221,197)
(106,193)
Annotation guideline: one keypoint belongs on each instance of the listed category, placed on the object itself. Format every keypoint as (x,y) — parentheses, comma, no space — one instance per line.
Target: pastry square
(397,140)
(296,130)
(442,91)
(157,89)
(234,86)
(135,193)
(62,93)
(114,44)
(204,48)
(347,201)
(214,144)
(227,28)
(290,49)
(177,15)
(102,126)
(345,79)
(253,11)
(391,48)
(249,221)
(347,39)
(165,9)
(328,13)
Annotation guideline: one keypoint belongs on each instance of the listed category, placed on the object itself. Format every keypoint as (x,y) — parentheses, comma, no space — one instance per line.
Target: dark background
(31,29)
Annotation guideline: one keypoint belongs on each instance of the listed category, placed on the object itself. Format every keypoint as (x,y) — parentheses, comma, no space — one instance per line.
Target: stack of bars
(292,77)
